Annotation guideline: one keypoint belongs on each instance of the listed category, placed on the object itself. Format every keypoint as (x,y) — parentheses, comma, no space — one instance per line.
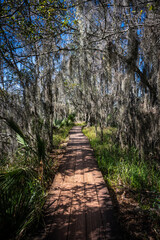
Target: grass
(123,166)
(134,185)
(21,202)
(82,124)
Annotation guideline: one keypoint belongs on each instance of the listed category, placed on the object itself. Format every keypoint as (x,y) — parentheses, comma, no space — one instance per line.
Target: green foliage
(21,141)
(60,135)
(71,117)
(65,122)
(58,123)
(24,149)
(80,124)
(62,128)
(21,202)
(123,166)
(21,187)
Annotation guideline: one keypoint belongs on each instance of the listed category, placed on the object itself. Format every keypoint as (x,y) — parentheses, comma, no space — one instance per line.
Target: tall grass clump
(123,166)
(21,202)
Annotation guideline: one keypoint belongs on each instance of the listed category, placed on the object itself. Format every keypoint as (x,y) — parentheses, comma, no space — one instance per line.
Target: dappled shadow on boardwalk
(79,205)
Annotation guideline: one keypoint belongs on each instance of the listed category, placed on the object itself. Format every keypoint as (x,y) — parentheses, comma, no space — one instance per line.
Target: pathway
(79,205)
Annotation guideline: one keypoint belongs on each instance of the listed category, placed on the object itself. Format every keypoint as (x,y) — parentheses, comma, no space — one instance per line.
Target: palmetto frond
(14,126)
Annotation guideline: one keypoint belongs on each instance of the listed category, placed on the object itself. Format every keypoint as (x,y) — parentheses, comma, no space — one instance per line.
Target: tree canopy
(98,58)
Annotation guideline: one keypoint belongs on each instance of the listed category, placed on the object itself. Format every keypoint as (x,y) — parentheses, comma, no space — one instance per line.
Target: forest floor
(79,205)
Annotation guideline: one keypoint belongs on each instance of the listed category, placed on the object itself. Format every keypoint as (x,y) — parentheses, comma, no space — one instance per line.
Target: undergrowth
(21,202)
(123,167)
(82,124)
(60,135)
(24,182)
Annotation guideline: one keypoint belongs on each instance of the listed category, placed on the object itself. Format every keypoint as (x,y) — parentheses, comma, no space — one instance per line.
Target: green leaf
(21,140)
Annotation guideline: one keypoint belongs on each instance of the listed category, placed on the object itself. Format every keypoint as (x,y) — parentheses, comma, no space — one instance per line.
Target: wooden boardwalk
(79,205)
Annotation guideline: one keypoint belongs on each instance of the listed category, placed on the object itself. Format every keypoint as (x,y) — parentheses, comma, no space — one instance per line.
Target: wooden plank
(61,216)
(77,227)
(93,215)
